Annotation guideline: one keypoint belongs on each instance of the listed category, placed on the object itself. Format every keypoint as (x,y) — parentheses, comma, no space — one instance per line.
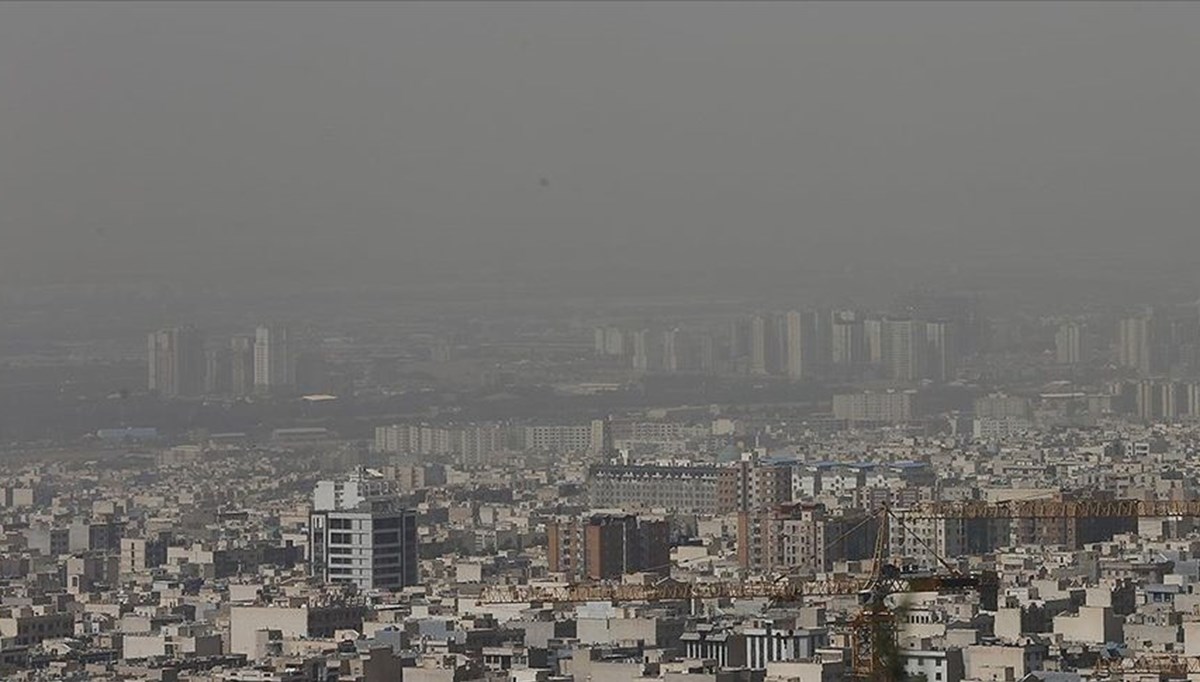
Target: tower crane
(873,629)
(1164,666)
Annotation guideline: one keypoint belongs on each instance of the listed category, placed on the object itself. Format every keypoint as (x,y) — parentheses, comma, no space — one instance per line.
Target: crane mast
(873,655)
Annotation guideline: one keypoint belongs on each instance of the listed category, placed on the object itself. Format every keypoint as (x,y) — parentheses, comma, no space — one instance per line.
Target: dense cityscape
(599,341)
(931,490)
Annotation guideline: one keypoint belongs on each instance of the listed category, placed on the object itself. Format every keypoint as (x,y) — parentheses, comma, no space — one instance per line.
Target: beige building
(298,621)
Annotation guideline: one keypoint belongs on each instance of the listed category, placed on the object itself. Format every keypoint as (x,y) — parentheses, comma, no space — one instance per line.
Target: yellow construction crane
(873,629)
(1165,666)
(785,590)
(1056,509)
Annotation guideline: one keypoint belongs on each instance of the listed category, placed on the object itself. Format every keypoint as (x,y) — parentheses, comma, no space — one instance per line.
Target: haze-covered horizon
(239,142)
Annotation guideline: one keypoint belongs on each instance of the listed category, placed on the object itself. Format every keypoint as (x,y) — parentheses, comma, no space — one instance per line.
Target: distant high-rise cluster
(659,350)
(182,365)
(798,345)
(1158,343)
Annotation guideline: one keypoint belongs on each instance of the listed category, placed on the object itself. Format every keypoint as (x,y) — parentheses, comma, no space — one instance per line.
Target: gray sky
(205,140)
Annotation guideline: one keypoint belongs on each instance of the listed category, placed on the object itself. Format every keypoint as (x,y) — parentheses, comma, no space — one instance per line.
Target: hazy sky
(309,139)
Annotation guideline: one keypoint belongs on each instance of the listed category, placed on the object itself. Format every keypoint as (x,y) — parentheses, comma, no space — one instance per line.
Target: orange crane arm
(1053,509)
(1172,665)
(788,590)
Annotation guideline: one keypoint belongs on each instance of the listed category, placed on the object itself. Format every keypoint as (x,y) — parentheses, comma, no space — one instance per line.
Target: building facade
(176,362)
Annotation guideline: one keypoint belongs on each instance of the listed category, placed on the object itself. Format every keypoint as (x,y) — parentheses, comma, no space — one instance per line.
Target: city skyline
(599,342)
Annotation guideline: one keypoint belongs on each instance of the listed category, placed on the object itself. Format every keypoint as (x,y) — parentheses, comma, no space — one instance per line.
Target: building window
(387,523)
(386,538)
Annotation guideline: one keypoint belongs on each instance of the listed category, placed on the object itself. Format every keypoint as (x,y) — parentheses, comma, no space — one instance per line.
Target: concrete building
(903,349)
(802,538)
(29,625)
(607,546)
(565,438)
(1135,345)
(767,642)
(176,362)
(799,344)
(671,350)
(274,369)
(360,534)
(1000,406)
(848,341)
(248,623)
(923,540)
(218,371)
(942,349)
(993,429)
(684,489)
(873,340)
(373,545)
(934,665)
(891,407)
(241,365)
(1068,344)
(1090,624)
(640,350)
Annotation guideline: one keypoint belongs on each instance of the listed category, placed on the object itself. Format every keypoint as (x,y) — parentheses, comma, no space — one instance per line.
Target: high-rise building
(218,371)
(751,483)
(607,546)
(739,339)
(903,349)
(641,350)
(686,489)
(1166,400)
(241,363)
(562,438)
(758,344)
(273,367)
(798,342)
(1068,344)
(1134,344)
(471,445)
(820,354)
(924,541)
(360,534)
(706,353)
(802,538)
(892,407)
(176,362)
(609,341)
(776,340)
(962,309)
(873,340)
(847,343)
(941,338)
(1002,406)
(670,350)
